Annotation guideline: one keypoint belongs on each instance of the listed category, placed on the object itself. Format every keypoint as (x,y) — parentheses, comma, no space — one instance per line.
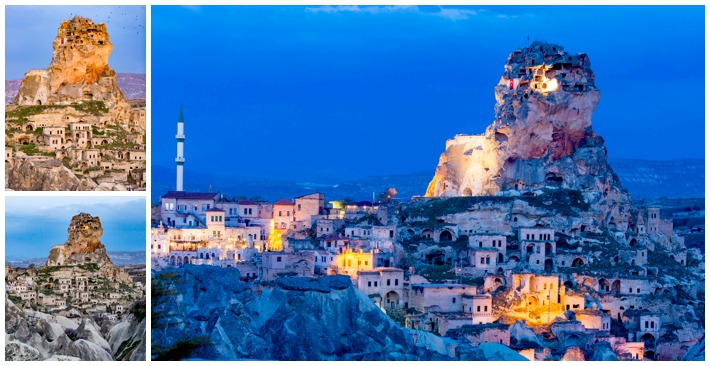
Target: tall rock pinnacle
(541,137)
(83,244)
(79,70)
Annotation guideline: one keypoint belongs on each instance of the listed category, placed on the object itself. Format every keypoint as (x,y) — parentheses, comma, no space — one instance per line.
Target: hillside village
(77,295)
(70,126)
(525,238)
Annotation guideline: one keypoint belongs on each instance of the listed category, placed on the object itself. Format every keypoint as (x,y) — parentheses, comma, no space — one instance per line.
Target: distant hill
(645,179)
(132,86)
(118,258)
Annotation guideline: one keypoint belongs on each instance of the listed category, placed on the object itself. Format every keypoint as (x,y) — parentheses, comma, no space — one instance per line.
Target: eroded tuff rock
(83,244)
(340,322)
(79,69)
(541,137)
(28,174)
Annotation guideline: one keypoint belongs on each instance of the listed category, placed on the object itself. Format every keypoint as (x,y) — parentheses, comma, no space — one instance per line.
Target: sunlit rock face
(83,245)
(541,137)
(79,69)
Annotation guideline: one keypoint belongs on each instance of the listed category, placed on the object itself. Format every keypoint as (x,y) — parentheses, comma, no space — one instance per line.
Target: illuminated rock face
(83,245)
(79,69)
(541,137)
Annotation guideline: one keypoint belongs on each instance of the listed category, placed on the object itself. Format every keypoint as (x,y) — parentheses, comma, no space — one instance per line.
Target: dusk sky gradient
(33,225)
(379,90)
(30,31)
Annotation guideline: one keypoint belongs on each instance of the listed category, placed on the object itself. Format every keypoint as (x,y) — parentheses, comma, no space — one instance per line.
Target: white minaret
(179,160)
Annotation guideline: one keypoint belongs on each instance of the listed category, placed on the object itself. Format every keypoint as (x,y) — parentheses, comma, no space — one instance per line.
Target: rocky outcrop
(79,69)
(42,174)
(696,352)
(573,354)
(16,351)
(210,310)
(40,336)
(127,339)
(603,352)
(83,245)
(522,337)
(541,137)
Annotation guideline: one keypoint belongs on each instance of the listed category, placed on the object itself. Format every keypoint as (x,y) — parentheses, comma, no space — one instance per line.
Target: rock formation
(338,321)
(79,69)
(44,175)
(83,244)
(541,137)
(75,112)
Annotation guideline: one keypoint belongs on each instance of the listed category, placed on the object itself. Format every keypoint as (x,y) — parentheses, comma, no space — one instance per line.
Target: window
(488,260)
(299,207)
(646,324)
(483,260)
(652,325)
(369,283)
(480,244)
(288,213)
(365,262)
(631,290)
(391,234)
(279,213)
(544,286)
(350,265)
(478,309)
(375,283)
(638,290)
(245,211)
(485,308)
(453,301)
(396,282)
(278,259)
(388,282)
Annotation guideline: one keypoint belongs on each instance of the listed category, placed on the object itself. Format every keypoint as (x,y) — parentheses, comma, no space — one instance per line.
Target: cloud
(361,9)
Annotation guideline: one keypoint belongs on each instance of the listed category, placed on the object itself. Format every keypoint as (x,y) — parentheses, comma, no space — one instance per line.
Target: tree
(257,199)
(387,195)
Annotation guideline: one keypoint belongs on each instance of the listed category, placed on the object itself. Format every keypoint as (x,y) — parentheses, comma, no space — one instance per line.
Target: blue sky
(379,90)
(30,31)
(33,225)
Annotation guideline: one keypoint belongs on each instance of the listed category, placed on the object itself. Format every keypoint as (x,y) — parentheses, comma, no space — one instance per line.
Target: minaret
(179,160)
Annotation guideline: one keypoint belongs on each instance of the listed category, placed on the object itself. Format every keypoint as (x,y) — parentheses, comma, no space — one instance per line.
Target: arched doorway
(604,285)
(616,287)
(392,299)
(548,250)
(530,248)
(649,341)
(500,257)
(530,283)
(548,265)
(577,262)
(572,341)
(467,192)
(445,236)
(588,282)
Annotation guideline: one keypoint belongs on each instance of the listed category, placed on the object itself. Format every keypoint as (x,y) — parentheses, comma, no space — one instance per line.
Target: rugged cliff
(205,312)
(541,137)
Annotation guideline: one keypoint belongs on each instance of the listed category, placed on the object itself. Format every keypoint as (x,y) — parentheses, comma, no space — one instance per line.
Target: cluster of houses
(72,291)
(304,237)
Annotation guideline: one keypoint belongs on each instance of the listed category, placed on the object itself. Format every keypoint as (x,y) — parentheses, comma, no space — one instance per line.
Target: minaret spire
(179,160)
